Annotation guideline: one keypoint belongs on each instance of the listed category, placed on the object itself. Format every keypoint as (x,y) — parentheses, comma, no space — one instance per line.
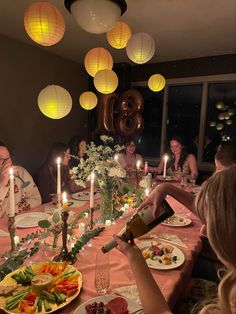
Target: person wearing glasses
(26,192)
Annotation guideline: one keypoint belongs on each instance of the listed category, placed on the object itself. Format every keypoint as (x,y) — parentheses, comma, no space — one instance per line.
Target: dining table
(172,282)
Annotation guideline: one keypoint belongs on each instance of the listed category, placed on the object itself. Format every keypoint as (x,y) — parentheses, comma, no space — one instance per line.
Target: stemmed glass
(102,273)
(192,180)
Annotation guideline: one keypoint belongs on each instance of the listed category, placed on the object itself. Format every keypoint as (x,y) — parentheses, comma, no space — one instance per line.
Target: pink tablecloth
(172,282)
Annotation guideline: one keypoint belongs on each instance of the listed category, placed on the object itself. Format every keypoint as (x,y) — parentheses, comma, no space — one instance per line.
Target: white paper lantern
(140,48)
(212,123)
(156,82)
(229,122)
(88,100)
(219,126)
(106,81)
(219,105)
(54,102)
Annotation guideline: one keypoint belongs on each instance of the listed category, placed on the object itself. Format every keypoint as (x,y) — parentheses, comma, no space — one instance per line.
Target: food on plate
(176,220)
(160,252)
(115,306)
(43,287)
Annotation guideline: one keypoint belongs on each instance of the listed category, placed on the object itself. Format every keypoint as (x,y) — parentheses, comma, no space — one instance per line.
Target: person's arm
(193,166)
(150,295)
(32,194)
(160,167)
(159,193)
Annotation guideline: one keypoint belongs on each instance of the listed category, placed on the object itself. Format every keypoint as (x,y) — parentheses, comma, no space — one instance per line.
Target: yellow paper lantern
(156,82)
(44,23)
(229,122)
(212,123)
(97,59)
(140,48)
(105,81)
(231,111)
(219,126)
(54,102)
(219,105)
(119,35)
(221,116)
(88,100)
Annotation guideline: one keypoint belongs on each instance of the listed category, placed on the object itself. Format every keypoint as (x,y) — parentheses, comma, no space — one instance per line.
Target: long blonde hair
(216,206)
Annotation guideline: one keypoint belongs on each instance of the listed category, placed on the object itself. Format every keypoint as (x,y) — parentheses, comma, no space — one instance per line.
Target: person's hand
(126,248)
(154,199)
(4,172)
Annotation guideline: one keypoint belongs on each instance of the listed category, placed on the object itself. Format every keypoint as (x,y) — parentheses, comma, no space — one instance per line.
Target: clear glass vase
(107,206)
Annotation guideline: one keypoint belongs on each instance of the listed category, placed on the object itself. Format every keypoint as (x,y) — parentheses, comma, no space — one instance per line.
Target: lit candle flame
(58,160)
(11,171)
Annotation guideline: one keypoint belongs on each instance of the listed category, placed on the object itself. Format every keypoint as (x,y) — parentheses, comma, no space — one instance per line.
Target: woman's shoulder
(191,157)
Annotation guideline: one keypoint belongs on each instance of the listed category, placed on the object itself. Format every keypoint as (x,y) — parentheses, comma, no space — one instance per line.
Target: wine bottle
(141,223)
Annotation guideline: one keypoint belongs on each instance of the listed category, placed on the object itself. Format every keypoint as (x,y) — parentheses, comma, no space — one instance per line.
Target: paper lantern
(105,81)
(212,123)
(96,16)
(44,23)
(220,105)
(88,100)
(229,122)
(219,126)
(54,102)
(119,35)
(221,116)
(97,59)
(227,116)
(156,82)
(231,111)
(140,48)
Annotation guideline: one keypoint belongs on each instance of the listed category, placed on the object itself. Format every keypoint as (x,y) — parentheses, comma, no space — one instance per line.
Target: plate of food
(161,255)
(103,304)
(85,196)
(29,220)
(167,178)
(177,221)
(43,287)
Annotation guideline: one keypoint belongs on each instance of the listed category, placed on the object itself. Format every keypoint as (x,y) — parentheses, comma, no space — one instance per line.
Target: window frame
(204,81)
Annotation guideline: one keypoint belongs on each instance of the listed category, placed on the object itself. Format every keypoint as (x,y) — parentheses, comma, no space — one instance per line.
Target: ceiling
(182,29)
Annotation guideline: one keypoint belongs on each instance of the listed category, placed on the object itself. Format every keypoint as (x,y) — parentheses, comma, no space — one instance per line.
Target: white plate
(156,264)
(132,305)
(29,220)
(168,178)
(177,221)
(85,196)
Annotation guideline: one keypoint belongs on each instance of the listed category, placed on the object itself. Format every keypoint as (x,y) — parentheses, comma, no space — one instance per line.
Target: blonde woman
(216,207)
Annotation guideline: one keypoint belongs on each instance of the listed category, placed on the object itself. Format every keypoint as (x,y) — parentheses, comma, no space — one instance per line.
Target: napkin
(167,237)
(3,233)
(129,292)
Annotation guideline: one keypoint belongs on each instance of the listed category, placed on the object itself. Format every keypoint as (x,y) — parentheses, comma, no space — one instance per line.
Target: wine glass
(192,180)
(102,272)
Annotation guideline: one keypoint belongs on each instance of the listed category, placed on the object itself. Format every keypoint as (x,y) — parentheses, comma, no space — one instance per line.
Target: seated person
(26,192)
(180,162)
(77,150)
(225,155)
(46,176)
(217,192)
(128,159)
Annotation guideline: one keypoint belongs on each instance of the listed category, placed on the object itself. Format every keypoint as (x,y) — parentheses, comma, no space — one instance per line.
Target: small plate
(132,305)
(167,178)
(155,264)
(29,220)
(177,221)
(85,196)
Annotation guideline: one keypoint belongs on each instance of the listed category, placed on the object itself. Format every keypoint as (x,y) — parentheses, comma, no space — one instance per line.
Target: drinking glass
(192,181)
(183,182)
(102,273)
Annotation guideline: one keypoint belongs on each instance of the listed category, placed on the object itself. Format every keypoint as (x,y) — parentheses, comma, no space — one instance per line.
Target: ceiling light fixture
(95,16)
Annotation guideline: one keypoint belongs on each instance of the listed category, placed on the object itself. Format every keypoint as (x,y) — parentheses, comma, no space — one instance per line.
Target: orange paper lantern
(105,81)
(44,23)
(88,100)
(119,35)
(54,102)
(97,59)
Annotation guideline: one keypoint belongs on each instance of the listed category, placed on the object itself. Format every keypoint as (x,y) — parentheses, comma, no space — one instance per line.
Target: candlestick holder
(91,224)
(64,254)
(137,177)
(12,229)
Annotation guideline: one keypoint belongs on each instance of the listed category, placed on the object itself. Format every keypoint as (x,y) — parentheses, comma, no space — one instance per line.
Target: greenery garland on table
(15,260)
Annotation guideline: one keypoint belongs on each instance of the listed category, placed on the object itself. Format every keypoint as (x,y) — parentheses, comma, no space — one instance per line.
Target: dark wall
(24,71)
(186,68)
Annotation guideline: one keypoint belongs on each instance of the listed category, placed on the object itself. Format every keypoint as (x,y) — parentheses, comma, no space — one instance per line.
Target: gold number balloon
(129,121)
(105,114)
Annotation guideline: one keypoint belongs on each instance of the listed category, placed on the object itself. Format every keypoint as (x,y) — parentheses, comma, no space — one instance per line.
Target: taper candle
(11,212)
(58,176)
(165,164)
(92,190)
